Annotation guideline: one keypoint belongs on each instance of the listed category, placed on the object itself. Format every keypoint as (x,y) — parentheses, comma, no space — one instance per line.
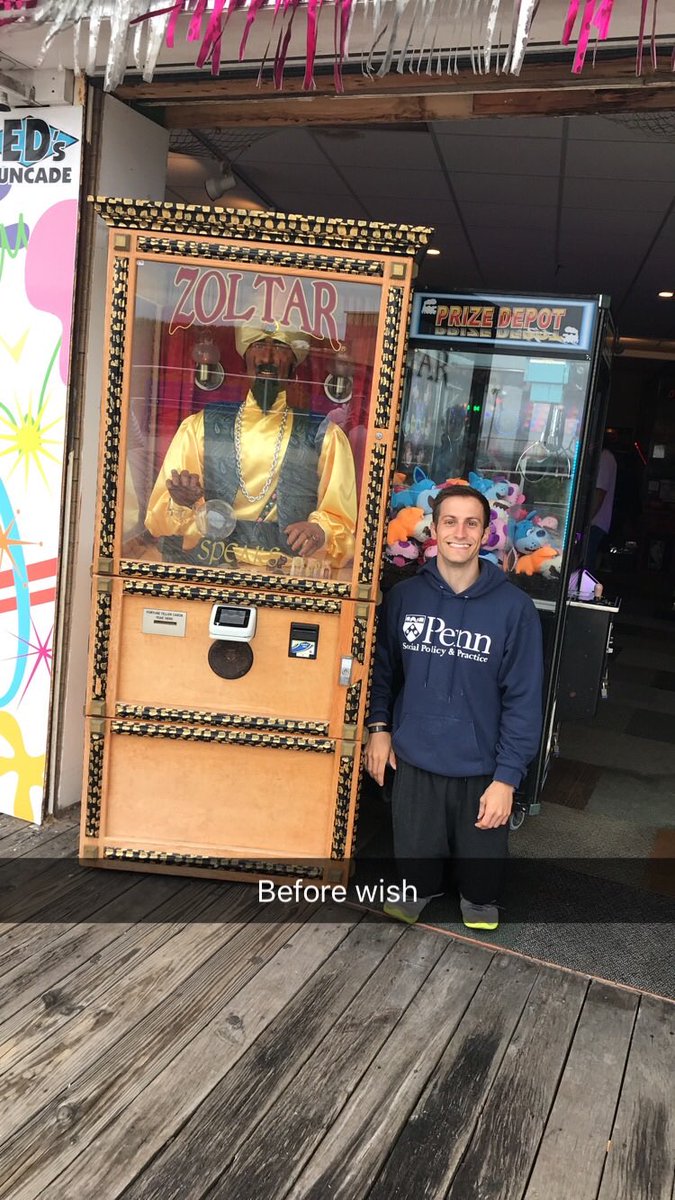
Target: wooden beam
(362,110)
(556,74)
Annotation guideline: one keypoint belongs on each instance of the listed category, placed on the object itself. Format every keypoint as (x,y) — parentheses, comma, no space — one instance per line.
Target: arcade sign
(499,320)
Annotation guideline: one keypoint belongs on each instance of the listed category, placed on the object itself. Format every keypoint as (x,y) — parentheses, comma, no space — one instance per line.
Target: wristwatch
(379,727)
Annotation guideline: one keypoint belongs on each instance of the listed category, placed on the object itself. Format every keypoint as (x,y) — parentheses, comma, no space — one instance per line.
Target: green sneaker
(479,916)
(407,910)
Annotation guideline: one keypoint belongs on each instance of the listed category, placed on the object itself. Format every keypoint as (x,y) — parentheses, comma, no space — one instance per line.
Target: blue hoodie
(459,675)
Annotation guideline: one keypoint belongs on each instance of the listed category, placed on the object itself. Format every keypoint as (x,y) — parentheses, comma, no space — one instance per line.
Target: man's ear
(486,534)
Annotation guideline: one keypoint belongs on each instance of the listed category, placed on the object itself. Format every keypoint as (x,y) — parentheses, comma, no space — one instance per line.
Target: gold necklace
(275,458)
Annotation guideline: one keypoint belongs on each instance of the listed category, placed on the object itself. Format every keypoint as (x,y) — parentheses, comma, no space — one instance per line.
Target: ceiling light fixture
(434,252)
(221,181)
(666,295)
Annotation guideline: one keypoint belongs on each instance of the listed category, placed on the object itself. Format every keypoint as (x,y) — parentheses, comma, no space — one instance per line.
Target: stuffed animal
(531,564)
(509,495)
(402,553)
(451,482)
(494,490)
(497,532)
(552,567)
(418,494)
(422,530)
(429,549)
(528,536)
(550,523)
(402,526)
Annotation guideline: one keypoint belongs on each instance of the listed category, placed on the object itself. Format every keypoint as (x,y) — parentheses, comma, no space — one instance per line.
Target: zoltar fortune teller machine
(252,388)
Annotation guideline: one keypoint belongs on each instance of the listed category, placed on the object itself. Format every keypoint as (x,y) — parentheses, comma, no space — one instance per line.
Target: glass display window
(249,402)
(510,425)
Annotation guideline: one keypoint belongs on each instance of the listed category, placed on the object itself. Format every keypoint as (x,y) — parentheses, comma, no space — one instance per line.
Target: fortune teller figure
(291,487)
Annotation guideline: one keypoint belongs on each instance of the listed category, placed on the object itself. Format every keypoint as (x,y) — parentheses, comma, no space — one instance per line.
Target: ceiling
(556,205)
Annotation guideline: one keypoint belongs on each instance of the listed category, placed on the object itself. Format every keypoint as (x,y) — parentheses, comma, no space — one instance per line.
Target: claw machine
(251,399)
(509,394)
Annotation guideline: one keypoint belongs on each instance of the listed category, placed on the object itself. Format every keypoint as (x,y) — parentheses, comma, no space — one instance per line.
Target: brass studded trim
(191,734)
(259,255)
(94,784)
(172,591)
(247,866)
(357,805)
(193,220)
(341,819)
(221,720)
(101,642)
(188,574)
(359,636)
(111,442)
(374,499)
(385,387)
(353,703)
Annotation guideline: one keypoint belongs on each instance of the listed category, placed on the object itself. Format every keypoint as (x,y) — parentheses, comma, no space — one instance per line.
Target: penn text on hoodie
(459,675)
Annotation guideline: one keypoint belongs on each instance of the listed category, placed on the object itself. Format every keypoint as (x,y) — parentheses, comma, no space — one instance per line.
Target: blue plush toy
(494,490)
(419,494)
(526,536)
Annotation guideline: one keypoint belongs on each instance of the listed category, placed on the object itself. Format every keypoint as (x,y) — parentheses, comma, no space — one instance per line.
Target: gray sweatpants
(434,820)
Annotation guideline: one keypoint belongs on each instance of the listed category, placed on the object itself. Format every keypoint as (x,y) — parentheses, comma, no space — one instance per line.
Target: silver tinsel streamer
(432,36)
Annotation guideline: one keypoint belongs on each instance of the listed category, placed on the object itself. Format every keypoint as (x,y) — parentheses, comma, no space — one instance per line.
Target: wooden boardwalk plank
(34,891)
(291,1130)
(104,1058)
(355,1148)
(499,1159)
(641,1159)
(124,1145)
(101,1003)
(207,1142)
(430,1147)
(20,942)
(82,962)
(572,1154)
(362,1129)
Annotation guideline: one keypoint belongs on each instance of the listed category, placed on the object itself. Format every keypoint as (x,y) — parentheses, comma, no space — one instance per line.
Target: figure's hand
(305,537)
(378,754)
(494,806)
(184,489)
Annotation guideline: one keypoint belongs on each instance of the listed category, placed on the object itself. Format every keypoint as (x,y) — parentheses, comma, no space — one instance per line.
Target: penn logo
(413,626)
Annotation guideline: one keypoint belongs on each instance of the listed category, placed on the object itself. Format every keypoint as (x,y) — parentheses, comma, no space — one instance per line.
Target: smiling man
(455,709)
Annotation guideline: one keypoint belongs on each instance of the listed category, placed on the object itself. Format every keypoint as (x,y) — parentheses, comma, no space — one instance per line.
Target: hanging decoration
(419,36)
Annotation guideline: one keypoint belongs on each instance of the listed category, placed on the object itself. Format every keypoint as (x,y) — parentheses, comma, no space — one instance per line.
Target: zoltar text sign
(211,296)
(517,321)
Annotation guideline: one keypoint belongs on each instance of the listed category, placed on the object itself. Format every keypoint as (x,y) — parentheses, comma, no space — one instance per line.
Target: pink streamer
(313,9)
(571,17)
(282,47)
(584,34)
(195,28)
(253,11)
(602,18)
(170,36)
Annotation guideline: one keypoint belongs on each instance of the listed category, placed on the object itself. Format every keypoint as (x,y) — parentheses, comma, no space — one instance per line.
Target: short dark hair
(460,489)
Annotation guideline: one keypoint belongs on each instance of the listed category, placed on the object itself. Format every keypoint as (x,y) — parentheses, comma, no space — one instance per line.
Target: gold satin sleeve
(336,509)
(163,518)
(336,497)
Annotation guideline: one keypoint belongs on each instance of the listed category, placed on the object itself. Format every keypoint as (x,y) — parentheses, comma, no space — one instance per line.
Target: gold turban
(246,335)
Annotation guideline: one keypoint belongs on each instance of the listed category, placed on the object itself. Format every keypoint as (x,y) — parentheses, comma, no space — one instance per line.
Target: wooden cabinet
(227,485)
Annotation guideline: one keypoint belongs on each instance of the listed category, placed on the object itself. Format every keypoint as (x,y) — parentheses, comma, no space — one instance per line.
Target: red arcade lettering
(210,296)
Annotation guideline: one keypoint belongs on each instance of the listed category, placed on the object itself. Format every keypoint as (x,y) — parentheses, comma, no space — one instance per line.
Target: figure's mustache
(267,369)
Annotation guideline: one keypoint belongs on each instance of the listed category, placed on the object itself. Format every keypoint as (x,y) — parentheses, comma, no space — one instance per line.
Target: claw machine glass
(507,394)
